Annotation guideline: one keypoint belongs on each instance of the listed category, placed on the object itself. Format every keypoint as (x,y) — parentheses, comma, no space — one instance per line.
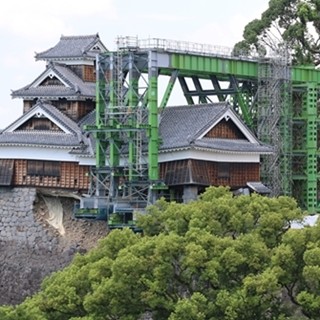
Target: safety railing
(134,43)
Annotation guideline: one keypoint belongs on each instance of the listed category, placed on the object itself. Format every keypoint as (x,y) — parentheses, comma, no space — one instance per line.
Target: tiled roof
(74,140)
(60,117)
(33,137)
(259,187)
(76,86)
(89,119)
(181,127)
(231,145)
(71,47)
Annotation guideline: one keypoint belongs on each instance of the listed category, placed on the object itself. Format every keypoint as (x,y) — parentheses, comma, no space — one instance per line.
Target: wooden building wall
(201,172)
(69,175)
(28,104)
(74,109)
(225,130)
(39,124)
(53,174)
(85,72)
(235,175)
(89,73)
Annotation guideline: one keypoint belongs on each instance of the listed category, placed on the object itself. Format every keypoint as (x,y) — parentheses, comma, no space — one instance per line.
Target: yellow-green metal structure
(278,101)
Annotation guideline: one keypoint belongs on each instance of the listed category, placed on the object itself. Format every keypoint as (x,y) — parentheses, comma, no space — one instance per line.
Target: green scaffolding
(129,104)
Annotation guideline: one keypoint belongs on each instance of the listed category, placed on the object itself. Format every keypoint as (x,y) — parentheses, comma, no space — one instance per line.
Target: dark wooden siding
(28,104)
(226,130)
(209,173)
(86,73)
(6,172)
(89,73)
(74,109)
(239,174)
(39,124)
(176,172)
(65,175)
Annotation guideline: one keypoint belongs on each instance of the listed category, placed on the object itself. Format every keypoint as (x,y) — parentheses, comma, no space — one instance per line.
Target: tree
(291,23)
(220,257)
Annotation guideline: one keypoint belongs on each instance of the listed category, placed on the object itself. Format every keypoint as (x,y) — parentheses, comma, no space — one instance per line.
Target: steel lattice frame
(128,107)
(274,121)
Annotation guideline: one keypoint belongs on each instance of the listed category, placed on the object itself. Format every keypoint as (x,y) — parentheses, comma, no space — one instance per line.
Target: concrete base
(190,193)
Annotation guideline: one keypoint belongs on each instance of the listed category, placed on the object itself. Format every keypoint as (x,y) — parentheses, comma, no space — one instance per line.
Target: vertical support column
(100,108)
(113,135)
(286,140)
(101,144)
(133,98)
(311,113)
(153,144)
(190,193)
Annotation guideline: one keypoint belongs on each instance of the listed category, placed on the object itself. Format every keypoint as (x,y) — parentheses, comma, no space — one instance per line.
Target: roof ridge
(214,105)
(32,131)
(75,85)
(80,36)
(223,139)
(70,47)
(63,76)
(209,122)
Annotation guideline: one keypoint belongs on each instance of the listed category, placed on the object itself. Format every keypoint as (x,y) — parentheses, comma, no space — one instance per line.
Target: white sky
(29,26)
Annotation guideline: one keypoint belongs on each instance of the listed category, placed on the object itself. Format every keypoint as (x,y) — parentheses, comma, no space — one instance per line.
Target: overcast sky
(29,26)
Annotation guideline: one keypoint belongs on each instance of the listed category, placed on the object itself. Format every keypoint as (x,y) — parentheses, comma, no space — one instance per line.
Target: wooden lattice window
(43,168)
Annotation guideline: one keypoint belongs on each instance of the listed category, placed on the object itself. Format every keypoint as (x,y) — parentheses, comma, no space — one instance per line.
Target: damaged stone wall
(31,248)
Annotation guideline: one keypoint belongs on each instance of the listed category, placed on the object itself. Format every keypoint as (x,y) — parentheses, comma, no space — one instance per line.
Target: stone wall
(30,248)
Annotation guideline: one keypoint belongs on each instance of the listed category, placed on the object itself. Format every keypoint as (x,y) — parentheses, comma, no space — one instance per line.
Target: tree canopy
(220,257)
(293,23)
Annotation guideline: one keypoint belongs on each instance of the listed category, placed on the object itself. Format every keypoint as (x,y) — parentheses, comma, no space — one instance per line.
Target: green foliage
(220,257)
(293,22)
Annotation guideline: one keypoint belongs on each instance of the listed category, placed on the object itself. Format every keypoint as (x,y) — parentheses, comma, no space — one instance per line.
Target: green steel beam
(300,74)
(153,145)
(287,142)
(101,145)
(133,99)
(241,99)
(199,90)
(217,88)
(185,89)
(113,137)
(169,88)
(312,137)
(189,65)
